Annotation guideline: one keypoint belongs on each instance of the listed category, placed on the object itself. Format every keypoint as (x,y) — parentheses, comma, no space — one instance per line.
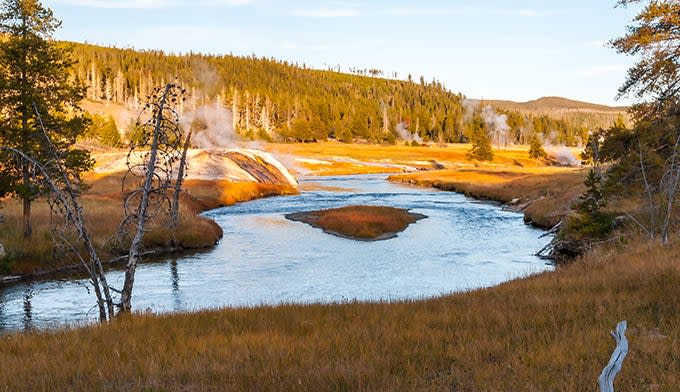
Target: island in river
(362,223)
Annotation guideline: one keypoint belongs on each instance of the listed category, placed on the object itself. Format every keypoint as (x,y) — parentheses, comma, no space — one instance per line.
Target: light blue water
(263,258)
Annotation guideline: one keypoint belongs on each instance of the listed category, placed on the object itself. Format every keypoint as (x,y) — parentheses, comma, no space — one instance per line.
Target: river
(463,244)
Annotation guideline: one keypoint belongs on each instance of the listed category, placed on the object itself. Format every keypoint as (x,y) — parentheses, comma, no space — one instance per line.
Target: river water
(463,244)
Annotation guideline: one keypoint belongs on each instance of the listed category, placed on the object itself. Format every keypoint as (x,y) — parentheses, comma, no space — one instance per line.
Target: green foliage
(587,227)
(35,77)
(592,201)
(654,40)
(591,221)
(103,129)
(135,134)
(536,150)
(481,149)
(268,95)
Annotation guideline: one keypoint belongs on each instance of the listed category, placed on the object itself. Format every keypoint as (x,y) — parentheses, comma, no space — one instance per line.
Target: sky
(517,50)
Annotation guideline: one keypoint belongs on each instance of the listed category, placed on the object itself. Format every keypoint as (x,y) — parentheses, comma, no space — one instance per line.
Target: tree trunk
(28,230)
(134,255)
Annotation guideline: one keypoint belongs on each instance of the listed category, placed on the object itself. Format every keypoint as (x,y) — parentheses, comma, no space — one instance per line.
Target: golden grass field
(548,332)
(341,158)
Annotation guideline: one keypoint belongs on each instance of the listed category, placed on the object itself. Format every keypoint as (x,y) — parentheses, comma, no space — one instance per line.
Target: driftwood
(606,379)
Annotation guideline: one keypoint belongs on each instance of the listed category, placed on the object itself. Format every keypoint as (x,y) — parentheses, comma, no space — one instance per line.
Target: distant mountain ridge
(552,103)
(592,115)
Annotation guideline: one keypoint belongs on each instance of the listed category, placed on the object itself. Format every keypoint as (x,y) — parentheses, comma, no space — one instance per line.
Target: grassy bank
(102,206)
(544,333)
(359,222)
(543,193)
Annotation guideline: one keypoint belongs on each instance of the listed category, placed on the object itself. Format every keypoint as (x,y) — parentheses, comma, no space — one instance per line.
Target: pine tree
(591,221)
(536,150)
(592,201)
(34,78)
(481,142)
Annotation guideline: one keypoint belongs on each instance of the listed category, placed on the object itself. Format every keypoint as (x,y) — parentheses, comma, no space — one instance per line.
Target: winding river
(265,259)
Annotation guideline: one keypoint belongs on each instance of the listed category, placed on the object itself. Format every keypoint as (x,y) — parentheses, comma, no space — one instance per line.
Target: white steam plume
(212,126)
(405,134)
(497,124)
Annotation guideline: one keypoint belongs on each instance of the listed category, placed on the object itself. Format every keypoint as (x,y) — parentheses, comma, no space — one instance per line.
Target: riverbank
(102,206)
(548,332)
(543,194)
(545,332)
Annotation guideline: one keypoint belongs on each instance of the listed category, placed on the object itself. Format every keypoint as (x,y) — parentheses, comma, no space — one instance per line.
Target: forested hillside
(275,100)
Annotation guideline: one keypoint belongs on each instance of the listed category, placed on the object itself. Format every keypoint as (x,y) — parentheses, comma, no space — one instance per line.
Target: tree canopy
(38,97)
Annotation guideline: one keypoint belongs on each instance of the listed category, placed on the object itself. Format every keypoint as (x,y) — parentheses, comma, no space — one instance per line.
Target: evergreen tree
(591,221)
(592,201)
(536,150)
(34,78)
(481,142)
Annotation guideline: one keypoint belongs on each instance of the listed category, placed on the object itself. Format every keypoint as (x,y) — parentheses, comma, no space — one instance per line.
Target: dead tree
(181,173)
(63,198)
(151,160)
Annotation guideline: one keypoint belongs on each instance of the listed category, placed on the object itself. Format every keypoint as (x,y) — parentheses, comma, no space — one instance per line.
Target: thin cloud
(526,13)
(463,10)
(327,13)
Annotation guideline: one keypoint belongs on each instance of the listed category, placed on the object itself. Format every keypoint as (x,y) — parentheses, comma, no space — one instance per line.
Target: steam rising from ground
(497,124)
(405,134)
(212,126)
(564,156)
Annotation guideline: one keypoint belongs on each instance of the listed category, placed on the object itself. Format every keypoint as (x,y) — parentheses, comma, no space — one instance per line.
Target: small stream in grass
(463,244)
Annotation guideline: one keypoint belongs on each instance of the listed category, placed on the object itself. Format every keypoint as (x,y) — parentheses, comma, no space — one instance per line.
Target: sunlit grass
(103,208)
(545,194)
(338,158)
(549,332)
(359,222)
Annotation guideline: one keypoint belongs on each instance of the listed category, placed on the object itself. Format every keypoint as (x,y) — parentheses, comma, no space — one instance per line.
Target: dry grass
(102,204)
(359,222)
(545,333)
(364,159)
(543,193)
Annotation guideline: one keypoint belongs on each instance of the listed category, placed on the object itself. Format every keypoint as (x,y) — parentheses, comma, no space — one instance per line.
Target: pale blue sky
(517,50)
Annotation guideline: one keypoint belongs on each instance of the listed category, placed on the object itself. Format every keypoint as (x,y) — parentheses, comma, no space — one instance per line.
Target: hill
(588,114)
(263,98)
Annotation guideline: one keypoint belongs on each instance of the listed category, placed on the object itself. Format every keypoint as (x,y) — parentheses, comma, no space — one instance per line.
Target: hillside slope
(275,100)
(590,115)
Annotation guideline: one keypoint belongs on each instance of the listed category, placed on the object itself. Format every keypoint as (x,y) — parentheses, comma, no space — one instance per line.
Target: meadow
(547,332)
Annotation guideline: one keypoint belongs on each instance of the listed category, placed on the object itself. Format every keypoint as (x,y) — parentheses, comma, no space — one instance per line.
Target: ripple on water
(266,259)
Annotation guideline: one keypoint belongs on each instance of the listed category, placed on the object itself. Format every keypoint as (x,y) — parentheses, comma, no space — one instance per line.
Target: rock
(3,253)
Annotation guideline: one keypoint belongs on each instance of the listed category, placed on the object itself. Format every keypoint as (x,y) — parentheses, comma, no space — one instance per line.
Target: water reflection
(175,285)
(266,259)
(28,309)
